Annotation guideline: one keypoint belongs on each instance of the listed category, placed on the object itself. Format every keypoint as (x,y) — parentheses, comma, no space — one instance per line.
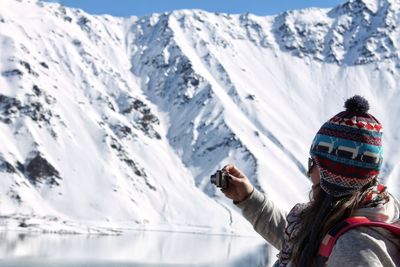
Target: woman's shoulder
(366,234)
(366,246)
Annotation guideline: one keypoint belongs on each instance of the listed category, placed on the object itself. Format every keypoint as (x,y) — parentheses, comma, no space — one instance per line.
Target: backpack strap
(326,246)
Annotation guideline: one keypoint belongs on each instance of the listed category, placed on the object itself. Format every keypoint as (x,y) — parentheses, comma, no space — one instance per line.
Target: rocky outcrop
(12,108)
(5,166)
(40,171)
(140,115)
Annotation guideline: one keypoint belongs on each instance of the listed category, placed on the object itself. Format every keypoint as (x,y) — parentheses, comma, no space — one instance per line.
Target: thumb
(233,171)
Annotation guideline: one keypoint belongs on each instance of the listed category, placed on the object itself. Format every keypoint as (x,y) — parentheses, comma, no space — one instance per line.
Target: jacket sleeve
(362,247)
(267,219)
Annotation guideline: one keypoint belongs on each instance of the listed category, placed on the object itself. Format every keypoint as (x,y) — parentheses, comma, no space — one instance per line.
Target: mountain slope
(117,123)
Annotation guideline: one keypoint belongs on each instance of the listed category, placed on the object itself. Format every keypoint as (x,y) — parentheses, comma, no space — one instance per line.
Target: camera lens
(213,179)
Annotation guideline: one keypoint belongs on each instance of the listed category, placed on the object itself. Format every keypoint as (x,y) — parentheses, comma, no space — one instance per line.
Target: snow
(136,113)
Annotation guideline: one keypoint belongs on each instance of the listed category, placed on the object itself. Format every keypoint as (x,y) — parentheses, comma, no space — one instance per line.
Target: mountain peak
(363,6)
(355,32)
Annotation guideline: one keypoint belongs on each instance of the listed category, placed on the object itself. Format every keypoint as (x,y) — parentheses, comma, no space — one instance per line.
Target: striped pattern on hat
(348,149)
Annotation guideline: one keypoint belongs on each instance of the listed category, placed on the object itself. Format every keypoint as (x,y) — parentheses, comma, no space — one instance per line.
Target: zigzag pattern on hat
(359,124)
(349,182)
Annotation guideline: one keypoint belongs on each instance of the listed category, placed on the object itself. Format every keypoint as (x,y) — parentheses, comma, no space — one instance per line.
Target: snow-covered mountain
(112,123)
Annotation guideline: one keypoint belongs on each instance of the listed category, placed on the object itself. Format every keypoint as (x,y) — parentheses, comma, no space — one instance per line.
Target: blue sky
(145,7)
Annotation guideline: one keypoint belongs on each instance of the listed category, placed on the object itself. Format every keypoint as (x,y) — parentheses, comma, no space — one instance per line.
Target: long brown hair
(322,215)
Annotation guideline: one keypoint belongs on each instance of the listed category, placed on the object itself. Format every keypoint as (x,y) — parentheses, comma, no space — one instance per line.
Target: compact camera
(220,179)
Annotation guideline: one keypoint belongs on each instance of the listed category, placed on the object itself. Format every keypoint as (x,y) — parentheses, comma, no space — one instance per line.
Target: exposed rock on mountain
(40,171)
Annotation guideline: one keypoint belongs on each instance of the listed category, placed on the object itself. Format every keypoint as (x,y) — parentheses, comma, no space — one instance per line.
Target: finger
(231,169)
(227,167)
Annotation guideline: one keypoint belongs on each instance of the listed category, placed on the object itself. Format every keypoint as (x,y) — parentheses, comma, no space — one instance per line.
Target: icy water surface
(131,250)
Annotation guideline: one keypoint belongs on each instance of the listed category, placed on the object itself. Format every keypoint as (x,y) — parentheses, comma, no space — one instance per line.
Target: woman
(346,157)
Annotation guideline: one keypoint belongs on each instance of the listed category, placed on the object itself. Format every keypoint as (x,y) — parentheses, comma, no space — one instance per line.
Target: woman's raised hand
(240,187)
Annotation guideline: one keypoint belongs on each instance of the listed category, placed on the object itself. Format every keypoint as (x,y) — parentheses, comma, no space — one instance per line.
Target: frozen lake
(142,248)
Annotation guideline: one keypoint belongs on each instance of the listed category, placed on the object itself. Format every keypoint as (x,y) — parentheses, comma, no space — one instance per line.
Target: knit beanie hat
(348,149)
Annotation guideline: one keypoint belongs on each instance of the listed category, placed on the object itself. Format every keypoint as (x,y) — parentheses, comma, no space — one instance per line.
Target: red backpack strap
(326,246)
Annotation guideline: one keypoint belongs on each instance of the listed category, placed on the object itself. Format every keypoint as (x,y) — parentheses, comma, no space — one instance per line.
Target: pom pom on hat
(357,104)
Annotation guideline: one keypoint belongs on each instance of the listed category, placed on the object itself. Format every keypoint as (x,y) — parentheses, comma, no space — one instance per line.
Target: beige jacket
(363,246)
